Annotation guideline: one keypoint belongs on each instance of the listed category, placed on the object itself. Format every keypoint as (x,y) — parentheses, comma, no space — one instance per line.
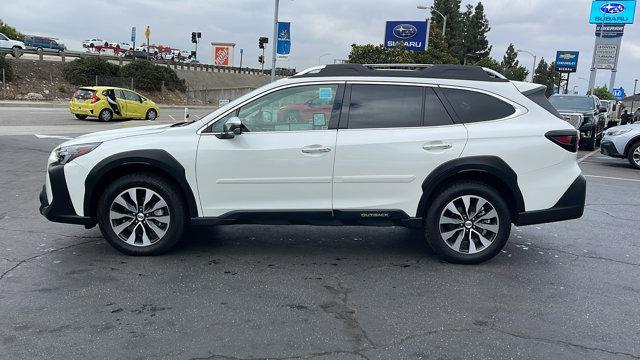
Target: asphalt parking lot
(567,290)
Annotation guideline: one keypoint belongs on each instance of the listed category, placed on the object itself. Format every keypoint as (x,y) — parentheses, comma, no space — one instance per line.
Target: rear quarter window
(473,106)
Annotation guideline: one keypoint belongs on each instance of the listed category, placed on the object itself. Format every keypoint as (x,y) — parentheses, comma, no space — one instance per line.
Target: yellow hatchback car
(107,103)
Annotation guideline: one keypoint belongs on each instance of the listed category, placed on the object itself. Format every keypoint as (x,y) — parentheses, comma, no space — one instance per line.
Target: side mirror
(231,128)
(142,100)
(602,109)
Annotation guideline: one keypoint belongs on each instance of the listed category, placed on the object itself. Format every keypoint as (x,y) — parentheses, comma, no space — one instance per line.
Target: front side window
(298,108)
(129,95)
(472,106)
(385,106)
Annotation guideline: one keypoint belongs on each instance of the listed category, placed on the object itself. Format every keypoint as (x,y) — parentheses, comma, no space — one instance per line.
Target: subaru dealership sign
(413,34)
(567,61)
(612,12)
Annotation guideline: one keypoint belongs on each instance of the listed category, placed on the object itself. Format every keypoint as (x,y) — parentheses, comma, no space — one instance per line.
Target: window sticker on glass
(325,93)
(319,120)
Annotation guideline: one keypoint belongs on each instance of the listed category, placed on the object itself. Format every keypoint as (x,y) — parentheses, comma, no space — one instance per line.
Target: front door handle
(315,149)
(439,146)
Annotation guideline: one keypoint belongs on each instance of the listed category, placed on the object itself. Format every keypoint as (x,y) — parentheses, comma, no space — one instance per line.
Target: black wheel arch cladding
(473,168)
(156,161)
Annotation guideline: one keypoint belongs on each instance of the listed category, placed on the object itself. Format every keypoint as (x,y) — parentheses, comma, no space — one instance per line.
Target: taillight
(94,98)
(566,139)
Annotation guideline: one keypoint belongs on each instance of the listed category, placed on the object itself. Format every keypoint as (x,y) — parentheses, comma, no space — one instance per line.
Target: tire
(81,117)
(455,238)
(634,155)
(151,114)
(105,115)
(154,232)
(590,143)
(15,51)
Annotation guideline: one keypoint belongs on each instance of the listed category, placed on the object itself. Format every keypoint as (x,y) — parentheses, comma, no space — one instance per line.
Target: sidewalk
(54,104)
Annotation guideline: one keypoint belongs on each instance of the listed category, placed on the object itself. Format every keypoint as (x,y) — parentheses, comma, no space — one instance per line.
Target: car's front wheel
(151,114)
(467,223)
(590,143)
(634,155)
(141,214)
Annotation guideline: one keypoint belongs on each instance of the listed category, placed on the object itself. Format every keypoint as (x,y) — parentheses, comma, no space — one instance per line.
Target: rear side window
(541,99)
(435,113)
(472,106)
(385,106)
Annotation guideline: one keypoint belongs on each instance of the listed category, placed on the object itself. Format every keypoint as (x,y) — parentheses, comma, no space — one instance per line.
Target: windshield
(572,102)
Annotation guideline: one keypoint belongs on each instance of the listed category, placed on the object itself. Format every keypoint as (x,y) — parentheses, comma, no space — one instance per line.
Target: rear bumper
(570,206)
(60,209)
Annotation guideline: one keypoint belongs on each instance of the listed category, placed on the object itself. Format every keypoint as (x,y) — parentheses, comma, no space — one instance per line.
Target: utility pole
(275,41)
(633,97)
(241,51)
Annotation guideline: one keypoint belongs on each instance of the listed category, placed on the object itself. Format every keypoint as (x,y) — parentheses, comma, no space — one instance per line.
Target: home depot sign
(223,54)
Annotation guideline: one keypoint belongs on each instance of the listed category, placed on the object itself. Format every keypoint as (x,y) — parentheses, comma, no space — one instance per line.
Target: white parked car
(94,42)
(14,45)
(623,142)
(458,151)
(123,46)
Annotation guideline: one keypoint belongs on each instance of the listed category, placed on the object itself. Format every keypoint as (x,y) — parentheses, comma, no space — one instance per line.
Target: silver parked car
(623,142)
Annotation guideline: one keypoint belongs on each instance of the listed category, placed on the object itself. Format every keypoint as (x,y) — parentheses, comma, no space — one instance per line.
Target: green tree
(602,93)
(10,31)
(454,30)
(511,66)
(83,71)
(149,76)
(490,63)
(476,27)
(542,76)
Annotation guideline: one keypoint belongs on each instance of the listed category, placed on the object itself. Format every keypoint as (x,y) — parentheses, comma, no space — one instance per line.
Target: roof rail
(439,71)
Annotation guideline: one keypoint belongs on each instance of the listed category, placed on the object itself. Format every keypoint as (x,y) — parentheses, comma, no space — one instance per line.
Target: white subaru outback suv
(457,150)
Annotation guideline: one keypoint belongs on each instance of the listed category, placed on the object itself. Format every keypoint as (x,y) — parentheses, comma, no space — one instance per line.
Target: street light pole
(444,17)
(633,97)
(535,58)
(321,56)
(275,41)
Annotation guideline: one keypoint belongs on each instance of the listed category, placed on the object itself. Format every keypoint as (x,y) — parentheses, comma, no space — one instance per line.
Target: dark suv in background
(585,113)
(43,43)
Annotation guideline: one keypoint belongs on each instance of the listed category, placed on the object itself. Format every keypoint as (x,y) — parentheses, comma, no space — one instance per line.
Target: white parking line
(613,178)
(172,118)
(587,156)
(52,137)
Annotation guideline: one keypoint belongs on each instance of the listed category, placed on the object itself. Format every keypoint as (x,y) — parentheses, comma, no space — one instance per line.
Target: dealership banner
(567,61)
(284,40)
(223,54)
(609,31)
(612,12)
(413,34)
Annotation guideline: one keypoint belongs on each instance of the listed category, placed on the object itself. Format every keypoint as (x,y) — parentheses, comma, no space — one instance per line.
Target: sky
(321,31)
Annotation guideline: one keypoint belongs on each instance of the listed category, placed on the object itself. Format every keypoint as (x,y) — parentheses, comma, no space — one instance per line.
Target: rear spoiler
(528,88)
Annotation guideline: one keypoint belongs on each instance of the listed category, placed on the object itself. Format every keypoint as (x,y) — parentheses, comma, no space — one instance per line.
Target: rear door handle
(439,146)
(315,149)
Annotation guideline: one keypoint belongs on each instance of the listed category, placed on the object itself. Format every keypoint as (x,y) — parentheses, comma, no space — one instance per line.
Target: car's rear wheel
(81,117)
(467,223)
(151,114)
(634,155)
(141,214)
(105,115)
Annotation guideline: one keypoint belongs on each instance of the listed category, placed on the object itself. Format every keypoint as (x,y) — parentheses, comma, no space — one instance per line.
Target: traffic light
(193,37)
(262,41)
(199,34)
(261,59)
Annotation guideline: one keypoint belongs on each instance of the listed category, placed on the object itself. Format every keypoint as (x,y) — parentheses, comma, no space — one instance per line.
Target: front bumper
(570,206)
(59,208)
(607,147)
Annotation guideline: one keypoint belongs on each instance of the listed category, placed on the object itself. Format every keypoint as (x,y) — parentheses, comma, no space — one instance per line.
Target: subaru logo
(612,8)
(404,31)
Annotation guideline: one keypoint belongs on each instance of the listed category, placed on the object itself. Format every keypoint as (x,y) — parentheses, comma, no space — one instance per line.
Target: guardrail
(120,60)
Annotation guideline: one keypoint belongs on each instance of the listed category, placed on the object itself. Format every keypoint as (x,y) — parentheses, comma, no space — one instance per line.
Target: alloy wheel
(636,156)
(139,216)
(469,224)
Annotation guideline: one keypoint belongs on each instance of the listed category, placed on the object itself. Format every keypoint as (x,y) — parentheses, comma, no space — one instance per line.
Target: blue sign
(619,93)
(284,40)
(612,12)
(133,34)
(567,61)
(413,34)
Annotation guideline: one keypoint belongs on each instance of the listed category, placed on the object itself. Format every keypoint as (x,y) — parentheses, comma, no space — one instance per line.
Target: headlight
(68,153)
(617,132)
